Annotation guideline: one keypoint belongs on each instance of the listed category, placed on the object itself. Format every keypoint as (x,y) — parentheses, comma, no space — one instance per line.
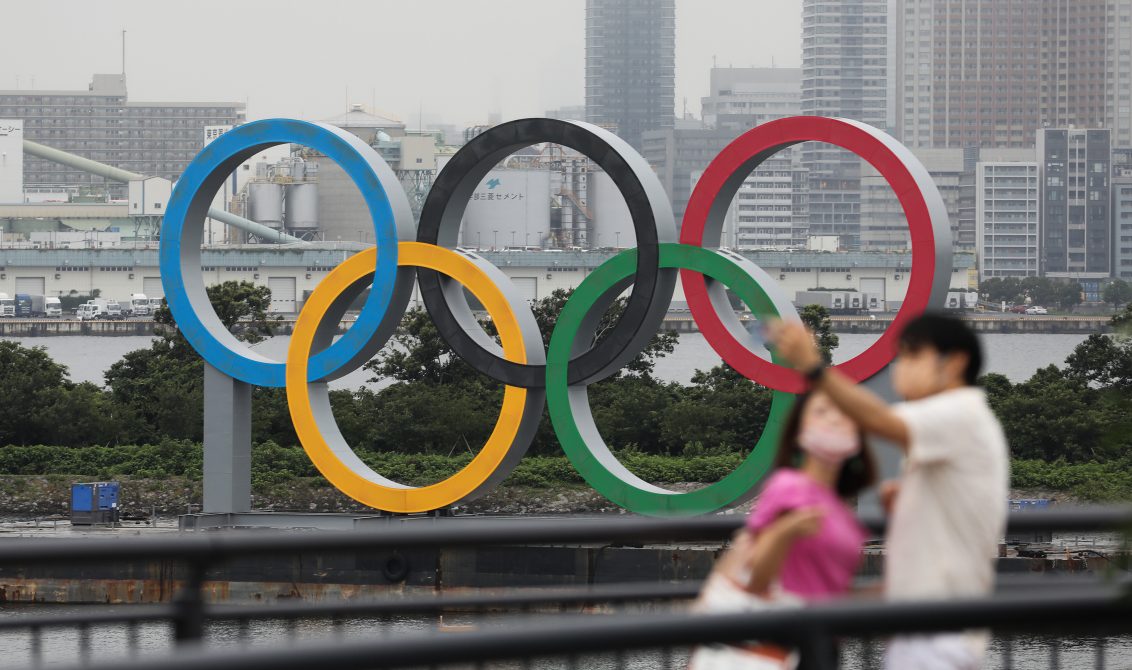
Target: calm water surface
(113,642)
(1015,355)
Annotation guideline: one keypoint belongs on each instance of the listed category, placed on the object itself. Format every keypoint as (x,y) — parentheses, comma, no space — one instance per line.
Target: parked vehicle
(23,306)
(89,312)
(103,309)
(1041,311)
(7,306)
(114,310)
(155,304)
(1017,309)
(139,305)
(841,302)
(37,306)
(50,307)
(961,300)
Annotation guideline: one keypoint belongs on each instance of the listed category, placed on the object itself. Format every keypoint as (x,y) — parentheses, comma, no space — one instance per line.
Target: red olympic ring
(917,193)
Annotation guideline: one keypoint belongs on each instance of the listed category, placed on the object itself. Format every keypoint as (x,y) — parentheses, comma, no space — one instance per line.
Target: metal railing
(1092,606)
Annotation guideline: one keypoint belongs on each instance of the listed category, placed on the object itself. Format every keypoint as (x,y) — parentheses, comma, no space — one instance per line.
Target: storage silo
(301,214)
(509,209)
(612,226)
(265,204)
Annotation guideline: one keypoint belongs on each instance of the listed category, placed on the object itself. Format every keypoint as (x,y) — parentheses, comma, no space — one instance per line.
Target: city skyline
(331,64)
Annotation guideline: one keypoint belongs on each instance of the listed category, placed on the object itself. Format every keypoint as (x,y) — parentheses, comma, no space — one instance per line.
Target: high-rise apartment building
(157,139)
(844,74)
(884,227)
(991,73)
(744,97)
(1006,219)
(1075,169)
(1122,213)
(631,65)
(678,155)
(964,223)
(770,209)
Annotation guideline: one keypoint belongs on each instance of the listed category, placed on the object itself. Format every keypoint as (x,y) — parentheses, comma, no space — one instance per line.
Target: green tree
(817,320)
(546,315)
(1003,289)
(417,353)
(1118,292)
(722,410)
(1067,295)
(1102,361)
(158,392)
(41,405)
(1054,416)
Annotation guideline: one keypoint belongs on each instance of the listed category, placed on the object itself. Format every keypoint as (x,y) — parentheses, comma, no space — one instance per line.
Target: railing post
(188,622)
(817,651)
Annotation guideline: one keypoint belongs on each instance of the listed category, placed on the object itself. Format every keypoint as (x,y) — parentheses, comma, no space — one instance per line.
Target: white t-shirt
(950,513)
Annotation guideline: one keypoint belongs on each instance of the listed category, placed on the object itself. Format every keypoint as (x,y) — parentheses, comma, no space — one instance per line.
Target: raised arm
(762,555)
(796,344)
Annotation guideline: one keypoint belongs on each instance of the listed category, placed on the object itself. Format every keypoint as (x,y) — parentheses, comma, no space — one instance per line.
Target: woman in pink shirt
(802,540)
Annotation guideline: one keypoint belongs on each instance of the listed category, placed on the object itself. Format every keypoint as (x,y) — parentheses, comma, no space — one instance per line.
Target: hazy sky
(456,59)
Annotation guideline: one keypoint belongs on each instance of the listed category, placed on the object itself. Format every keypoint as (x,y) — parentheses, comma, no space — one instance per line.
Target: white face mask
(832,446)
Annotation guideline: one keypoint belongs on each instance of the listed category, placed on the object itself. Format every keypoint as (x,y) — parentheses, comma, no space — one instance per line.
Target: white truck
(46,305)
(7,306)
(99,308)
(139,305)
(88,312)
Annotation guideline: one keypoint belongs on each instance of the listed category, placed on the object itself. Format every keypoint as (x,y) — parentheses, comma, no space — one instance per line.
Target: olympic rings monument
(556,378)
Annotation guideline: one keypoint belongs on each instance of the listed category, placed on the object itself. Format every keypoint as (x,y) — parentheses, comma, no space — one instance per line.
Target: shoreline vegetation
(1068,426)
(167,477)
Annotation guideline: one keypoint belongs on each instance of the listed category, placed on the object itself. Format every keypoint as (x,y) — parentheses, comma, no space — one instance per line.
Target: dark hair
(857,474)
(946,334)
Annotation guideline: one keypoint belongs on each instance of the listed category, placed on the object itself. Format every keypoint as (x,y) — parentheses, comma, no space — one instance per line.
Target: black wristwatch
(814,374)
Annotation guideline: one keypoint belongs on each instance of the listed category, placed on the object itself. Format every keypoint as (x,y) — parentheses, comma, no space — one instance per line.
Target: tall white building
(770,209)
(11,161)
(1006,219)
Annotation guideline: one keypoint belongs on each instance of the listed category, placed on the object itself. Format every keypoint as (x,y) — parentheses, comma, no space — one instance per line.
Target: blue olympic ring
(181,235)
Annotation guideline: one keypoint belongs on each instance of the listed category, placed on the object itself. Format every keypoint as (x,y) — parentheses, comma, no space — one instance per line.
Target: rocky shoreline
(41,497)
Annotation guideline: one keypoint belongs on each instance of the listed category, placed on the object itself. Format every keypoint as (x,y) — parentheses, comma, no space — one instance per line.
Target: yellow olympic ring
(342,467)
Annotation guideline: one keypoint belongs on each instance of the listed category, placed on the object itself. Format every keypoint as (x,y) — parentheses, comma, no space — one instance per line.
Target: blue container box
(94,502)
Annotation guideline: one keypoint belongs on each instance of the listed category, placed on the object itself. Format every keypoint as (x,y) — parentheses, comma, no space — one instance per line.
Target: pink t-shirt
(822,565)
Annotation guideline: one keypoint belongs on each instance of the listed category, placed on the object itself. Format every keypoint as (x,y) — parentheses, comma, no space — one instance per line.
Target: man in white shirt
(949,507)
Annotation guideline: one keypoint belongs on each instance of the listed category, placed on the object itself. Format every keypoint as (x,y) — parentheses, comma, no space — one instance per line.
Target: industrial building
(157,139)
(293,272)
(11,161)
